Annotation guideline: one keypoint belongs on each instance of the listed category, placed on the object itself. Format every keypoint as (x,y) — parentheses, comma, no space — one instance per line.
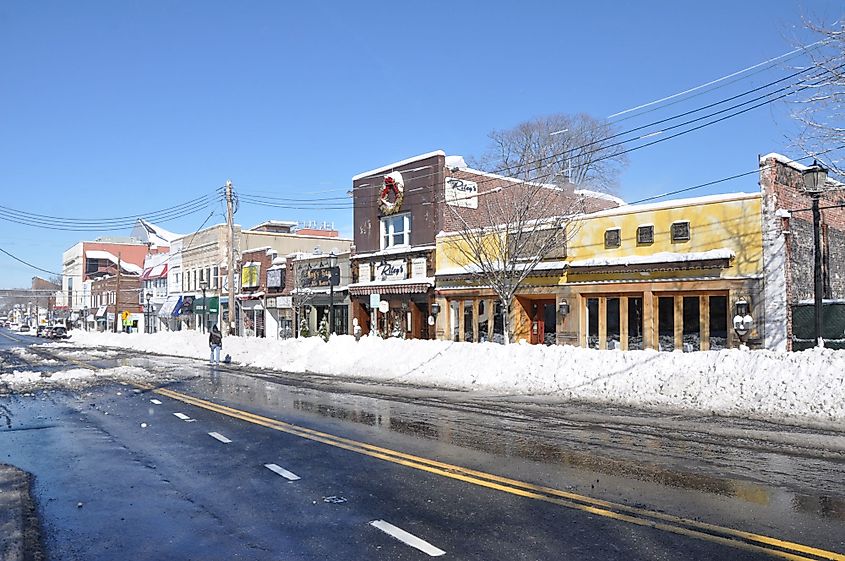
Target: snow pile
(809,385)
(21,381)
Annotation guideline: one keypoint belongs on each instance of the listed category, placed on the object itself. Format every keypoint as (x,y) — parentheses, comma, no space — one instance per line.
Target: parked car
(41,331)
(57,332)
(24,328)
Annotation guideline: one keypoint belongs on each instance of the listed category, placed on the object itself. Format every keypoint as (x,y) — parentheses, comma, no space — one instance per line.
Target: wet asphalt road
(108,487)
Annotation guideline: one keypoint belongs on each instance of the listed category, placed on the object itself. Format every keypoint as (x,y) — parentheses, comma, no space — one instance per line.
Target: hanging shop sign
(462,193)
(375,298)
(392,193)
(391,270)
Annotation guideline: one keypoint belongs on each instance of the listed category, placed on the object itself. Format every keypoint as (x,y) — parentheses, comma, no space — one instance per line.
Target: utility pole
(117,294)
(231,257)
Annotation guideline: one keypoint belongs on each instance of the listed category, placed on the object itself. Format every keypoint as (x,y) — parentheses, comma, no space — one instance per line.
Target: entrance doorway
(543,323)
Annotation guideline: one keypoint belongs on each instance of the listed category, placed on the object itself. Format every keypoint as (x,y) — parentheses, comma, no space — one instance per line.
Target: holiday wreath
(392,193)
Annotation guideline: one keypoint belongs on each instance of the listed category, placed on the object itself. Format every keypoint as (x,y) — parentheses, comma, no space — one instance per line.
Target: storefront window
(635,324)
(666,323)
(498,323)
(593,323)
(456,326)
(718,323)
(468,322)
(483,320)
(613,324)
(549,324)
(692,324)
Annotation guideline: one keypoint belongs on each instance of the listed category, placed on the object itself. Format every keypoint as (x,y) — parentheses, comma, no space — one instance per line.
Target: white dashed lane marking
(282,471)
(219,437)
(183,417)
(155,402)
(407,538)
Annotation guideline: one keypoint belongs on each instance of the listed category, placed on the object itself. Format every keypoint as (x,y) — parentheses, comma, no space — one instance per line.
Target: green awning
(213,305)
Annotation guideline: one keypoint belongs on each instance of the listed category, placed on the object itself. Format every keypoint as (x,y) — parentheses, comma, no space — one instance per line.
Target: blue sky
(110,109)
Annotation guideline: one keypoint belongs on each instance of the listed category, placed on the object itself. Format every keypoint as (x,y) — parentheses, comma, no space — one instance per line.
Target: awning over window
(171,307)
(213,305)
(101,311)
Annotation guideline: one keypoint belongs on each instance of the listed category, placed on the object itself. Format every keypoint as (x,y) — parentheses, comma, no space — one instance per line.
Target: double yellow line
(709,532)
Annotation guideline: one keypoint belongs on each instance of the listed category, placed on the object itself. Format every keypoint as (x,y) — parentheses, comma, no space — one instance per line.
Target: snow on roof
(99,254)
(660,257)
(455,162)
(155,234)
(784,160)
(673,203)
(472,268)
(506,178)
(398,164)
(600,195)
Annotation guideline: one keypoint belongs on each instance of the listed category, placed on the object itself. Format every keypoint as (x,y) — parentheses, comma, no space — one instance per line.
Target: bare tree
(514,228)
(821,106)
(557,148)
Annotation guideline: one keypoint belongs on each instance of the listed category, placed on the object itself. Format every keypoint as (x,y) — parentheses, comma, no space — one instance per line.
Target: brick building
(788,248)
(399,210)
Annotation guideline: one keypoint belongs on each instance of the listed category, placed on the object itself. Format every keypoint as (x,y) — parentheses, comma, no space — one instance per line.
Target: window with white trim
(395,230)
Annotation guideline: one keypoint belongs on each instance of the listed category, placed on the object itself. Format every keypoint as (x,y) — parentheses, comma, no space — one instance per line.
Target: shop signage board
(384,306)
(364,272)
(285,301)
(418,267)
(274,278)
(271,303)
(374,300)
(320,277)
(391,270)
(461,193)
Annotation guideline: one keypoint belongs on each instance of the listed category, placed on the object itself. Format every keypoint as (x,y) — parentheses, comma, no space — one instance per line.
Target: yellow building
(664,276)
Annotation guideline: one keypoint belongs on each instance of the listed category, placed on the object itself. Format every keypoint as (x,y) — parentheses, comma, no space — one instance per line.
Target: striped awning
(392,288)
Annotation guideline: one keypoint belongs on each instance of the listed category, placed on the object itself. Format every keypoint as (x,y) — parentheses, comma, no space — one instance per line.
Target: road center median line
(642,517)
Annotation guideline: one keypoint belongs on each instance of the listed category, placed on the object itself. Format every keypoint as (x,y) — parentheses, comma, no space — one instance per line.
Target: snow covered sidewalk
(807,386)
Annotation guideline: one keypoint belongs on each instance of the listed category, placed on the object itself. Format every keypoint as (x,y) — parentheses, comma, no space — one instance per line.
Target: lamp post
(148,319)
(204,286)
(332,265)
(814,179)
(84,317)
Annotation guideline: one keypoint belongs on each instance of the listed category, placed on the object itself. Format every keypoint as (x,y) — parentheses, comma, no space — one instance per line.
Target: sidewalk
(19,536)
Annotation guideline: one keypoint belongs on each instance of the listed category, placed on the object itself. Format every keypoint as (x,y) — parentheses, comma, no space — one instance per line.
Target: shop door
(543,325)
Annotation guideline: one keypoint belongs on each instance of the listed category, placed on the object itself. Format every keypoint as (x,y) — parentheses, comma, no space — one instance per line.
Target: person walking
(215,343)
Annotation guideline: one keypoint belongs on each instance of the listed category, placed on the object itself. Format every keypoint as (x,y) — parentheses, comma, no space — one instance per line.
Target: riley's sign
(391,270)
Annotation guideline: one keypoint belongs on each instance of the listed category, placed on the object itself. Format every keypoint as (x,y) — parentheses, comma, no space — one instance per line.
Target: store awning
(365,289)
(101,311)
(170,306)
(213,305)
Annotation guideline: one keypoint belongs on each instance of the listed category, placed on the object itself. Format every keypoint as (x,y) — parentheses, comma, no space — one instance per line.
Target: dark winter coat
(215,338)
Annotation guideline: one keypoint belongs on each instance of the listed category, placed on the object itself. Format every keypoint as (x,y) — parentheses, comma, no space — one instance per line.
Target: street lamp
(204,286)
(814,179)
(84,317)
(149,319)
(332,265)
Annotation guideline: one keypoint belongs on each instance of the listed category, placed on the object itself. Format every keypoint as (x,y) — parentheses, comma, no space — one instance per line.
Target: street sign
(374,300)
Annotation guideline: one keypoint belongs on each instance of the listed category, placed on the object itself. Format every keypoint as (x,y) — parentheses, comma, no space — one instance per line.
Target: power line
(36,267)
(717,80)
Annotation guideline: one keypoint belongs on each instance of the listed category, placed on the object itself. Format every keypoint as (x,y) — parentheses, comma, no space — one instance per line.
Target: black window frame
(673,232)
(607,239)
(641,230)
